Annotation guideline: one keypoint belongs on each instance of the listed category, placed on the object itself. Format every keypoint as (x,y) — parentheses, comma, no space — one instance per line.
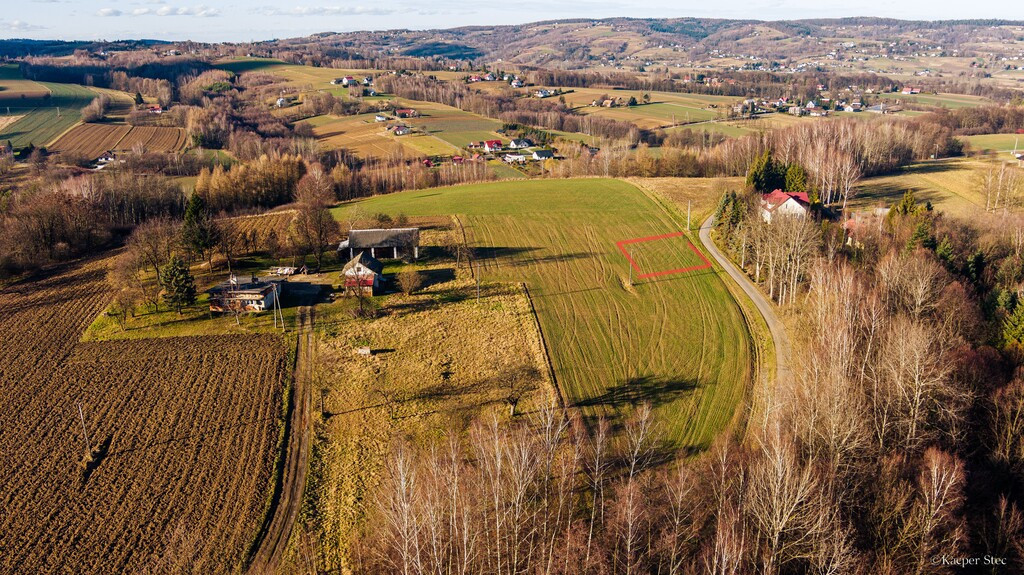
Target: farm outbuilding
(362,274)
(388,243)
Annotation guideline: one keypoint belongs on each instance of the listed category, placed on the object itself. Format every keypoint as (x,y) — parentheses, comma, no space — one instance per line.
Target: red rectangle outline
(622,243)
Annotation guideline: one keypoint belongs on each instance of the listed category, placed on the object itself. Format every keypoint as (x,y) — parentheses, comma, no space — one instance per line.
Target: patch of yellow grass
(8,120)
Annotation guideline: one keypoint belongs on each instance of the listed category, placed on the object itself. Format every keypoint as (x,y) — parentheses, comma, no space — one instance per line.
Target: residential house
(543,93)
(517,83)
(362,274)
(543,154)
(398,242)
(254,295)
(380,118)
(348,81)
(911,90)
(515,158)
(401,130)
(493,146)
(784,203)
(520,143)
(406,113)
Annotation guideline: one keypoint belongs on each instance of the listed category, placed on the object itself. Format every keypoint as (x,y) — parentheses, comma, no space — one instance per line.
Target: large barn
(383,243)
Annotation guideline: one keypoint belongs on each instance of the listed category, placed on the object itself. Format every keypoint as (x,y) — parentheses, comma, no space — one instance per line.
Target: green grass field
(1002,144)
(677,341)
(43,119)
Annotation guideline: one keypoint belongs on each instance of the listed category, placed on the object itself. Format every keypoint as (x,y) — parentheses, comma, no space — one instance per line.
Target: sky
(240,21)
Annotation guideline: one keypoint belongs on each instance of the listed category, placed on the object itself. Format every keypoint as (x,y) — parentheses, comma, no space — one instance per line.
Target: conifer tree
(179,286)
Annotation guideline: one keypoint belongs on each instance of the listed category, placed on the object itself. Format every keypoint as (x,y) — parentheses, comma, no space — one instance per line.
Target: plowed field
(189,429)
(93,140)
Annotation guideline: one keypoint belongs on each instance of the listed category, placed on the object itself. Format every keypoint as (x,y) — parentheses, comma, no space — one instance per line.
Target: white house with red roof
(493,145)
(784,203)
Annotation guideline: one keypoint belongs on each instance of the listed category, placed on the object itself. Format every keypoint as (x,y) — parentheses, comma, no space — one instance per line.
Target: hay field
(361,135)
(679,342)
(951,185)
(186,432)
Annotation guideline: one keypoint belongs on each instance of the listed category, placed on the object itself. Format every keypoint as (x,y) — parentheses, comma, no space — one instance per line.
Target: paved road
(775,327)
(293,480)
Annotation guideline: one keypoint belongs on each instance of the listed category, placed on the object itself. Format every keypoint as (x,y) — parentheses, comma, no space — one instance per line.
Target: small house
(401,130)
(362,274)
(520,143)
(348,81)
(515,158)
(493,145)
(380,118)
(517,83)
(784,203)
(393,242)
(406,113)
(543,93)
(543,155)
(255,295)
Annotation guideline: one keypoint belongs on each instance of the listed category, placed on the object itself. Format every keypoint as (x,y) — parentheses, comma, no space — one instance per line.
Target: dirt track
(293,480)
(775,327)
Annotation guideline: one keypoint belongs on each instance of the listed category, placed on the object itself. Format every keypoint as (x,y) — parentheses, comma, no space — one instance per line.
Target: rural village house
(785,203)
(362,274)
(543,154)
(493,145)
(519,144)
(394,242)
(252,296)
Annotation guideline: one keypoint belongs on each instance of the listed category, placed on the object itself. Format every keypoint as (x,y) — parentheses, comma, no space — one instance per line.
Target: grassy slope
(949,184)
(679,342)
(41,123)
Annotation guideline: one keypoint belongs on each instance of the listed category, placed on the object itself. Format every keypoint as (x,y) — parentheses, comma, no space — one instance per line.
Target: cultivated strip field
(678,341)
(47,117)
(185,430)
(92,140)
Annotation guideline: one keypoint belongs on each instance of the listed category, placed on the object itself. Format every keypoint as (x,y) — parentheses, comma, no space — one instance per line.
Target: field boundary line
(544,347)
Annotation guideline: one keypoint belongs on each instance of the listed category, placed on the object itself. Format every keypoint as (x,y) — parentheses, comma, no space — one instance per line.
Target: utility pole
(85,433)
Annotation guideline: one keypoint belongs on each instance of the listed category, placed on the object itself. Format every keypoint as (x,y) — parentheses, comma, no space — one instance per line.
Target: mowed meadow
(677,341)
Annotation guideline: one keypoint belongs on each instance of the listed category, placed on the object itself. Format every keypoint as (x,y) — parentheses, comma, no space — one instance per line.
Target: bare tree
(314,226)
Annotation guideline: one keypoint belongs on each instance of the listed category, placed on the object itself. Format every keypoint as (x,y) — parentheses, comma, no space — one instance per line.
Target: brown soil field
(92,140)
(185,433)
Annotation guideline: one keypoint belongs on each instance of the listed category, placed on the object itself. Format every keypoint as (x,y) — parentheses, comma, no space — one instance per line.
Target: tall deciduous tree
(314,227)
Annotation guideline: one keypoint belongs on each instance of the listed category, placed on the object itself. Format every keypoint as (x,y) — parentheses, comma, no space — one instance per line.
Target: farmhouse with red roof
(785,203)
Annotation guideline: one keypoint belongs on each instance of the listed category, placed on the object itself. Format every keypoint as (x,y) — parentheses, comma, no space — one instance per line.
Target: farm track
(293,481)
(783,350)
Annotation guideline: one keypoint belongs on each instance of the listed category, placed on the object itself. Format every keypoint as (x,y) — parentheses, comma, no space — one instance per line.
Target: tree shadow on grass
(635,391)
